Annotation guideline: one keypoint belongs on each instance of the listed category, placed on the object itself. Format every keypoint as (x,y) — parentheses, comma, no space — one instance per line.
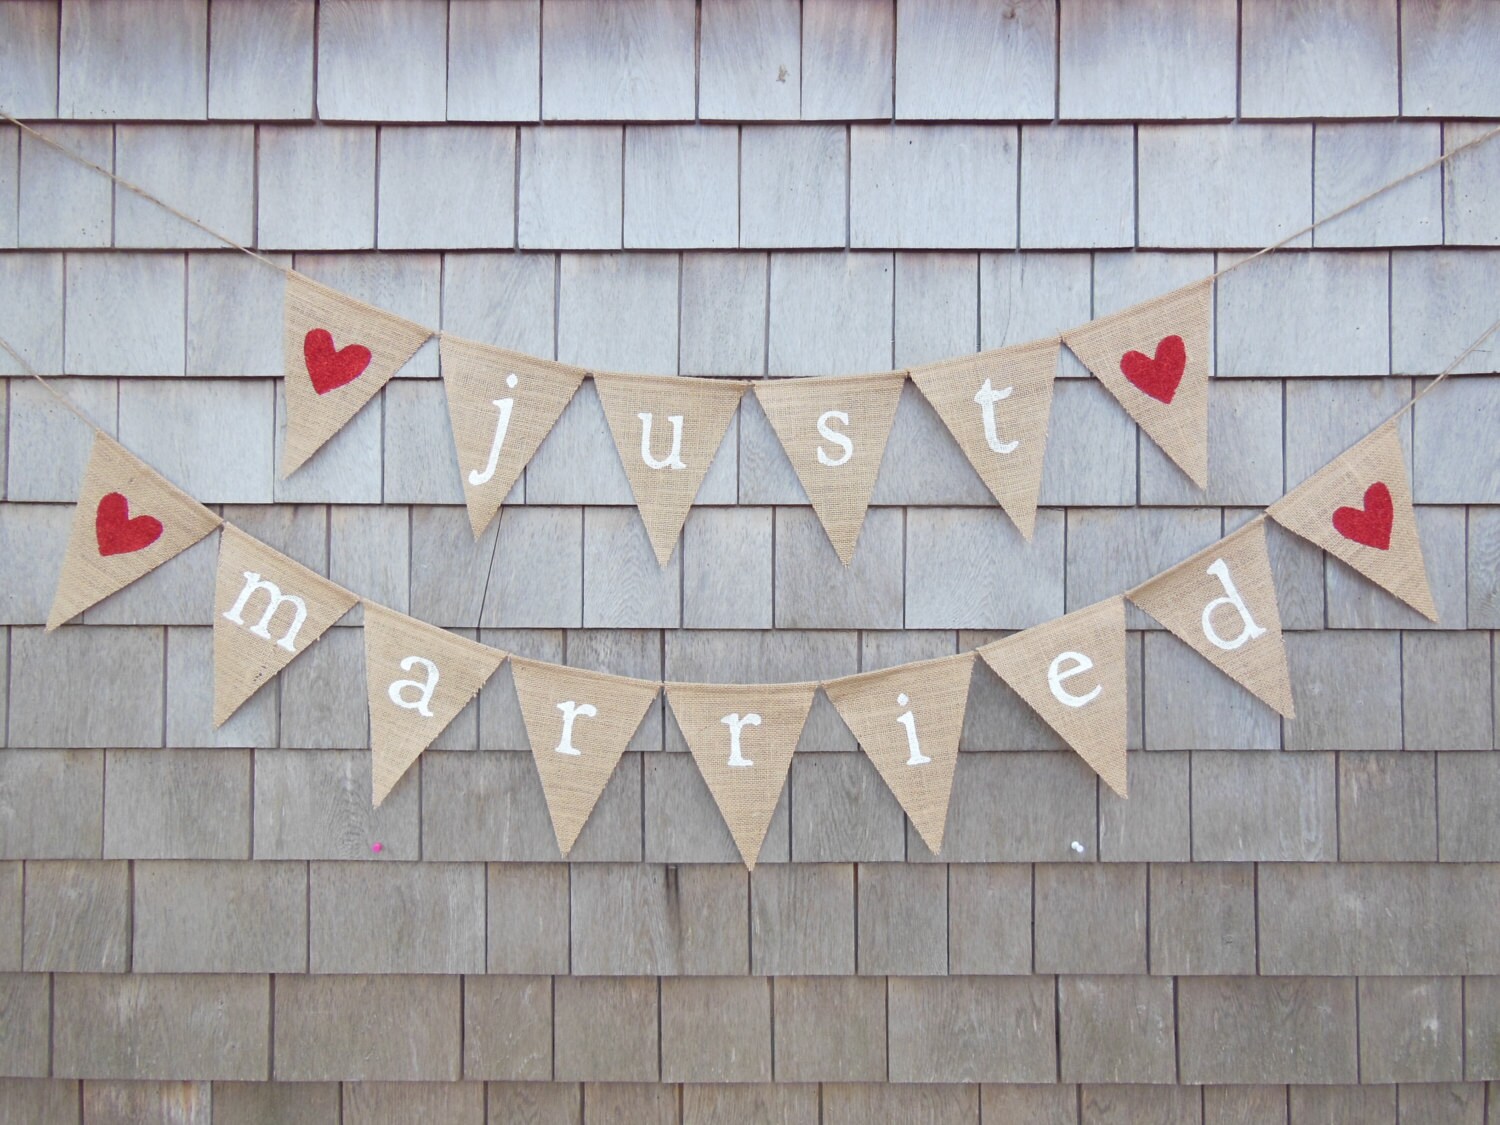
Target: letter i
(910,723)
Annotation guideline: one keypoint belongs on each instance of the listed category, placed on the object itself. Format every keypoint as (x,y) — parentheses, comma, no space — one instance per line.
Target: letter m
(275,599)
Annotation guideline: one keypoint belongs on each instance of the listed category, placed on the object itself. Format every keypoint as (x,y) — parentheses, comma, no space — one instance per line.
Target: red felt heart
(1370,525)
(331,368)
(117,533)
(1159,376)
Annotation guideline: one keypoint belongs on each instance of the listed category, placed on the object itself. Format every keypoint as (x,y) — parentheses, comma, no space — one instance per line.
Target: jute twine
(1178,598)
(1308,510)
(484,385)
(93,569)
(959,390)
(244,660)
(313,418)
(1095,729)
(1180,426)
(400,732)
(746,794)
(572,782)
(704,408)
(838,479)
(934,694)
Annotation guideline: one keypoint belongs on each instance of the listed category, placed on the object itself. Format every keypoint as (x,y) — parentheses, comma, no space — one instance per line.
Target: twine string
(140,191)
(1360,202)
(60,396)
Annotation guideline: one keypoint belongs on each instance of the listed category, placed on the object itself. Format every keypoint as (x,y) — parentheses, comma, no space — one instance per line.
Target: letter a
(673,459)
(422,705)
(1249,630)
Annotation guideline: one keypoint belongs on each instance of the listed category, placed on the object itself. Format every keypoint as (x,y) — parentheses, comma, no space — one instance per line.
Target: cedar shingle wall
(1287,923)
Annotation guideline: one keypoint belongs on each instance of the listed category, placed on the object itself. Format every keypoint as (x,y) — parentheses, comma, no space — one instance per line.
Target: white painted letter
(910,723)
(571,711)
(837,438)
(275,600)
(1249,630)
(505,406)
(986,398)
(673,460)
(426,687)
(735,723)
(1056,674)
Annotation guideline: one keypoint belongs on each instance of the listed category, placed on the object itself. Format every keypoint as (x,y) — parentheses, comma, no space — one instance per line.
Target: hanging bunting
(1222,602)
(267,610)
(1153,357)
(501,404)
(996,405)
(578,723)
(1358,509)
(338,352)
(834,431)
(1071,672)
(667,431)
(908,720)
(129,520)
(742,737)
(419,677)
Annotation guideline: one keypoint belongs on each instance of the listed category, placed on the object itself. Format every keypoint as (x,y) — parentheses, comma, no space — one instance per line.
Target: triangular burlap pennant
(419,678)
(996,405)
(667,431)
(1153,357)
(1071,672)
(267,611)
(502,404)
(1358,509)
(129,521)
(579,723)
(338,352)
(742,737)
(834,431)
(908,720)
(1222,602)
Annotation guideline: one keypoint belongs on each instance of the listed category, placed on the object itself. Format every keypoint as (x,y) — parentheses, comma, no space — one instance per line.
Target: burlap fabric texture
(745,759)
(908,720)
(1191,599)
(997,405)
(1082,702)
(1358,509)
(579,723)
(501,404)
(338,353)
(1163,385)
(129,520)
(418,677)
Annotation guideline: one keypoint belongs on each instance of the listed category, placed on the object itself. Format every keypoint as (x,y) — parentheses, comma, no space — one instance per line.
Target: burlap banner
(834,431)
(502,404)
(338,352)
(1358,509)
(1071,672)
(267,610)
(667,431)
(908,720)
(419,677)
(742,737)
(579,723)
(129,520)
(1153,357)
(1222,602)
(996,405)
